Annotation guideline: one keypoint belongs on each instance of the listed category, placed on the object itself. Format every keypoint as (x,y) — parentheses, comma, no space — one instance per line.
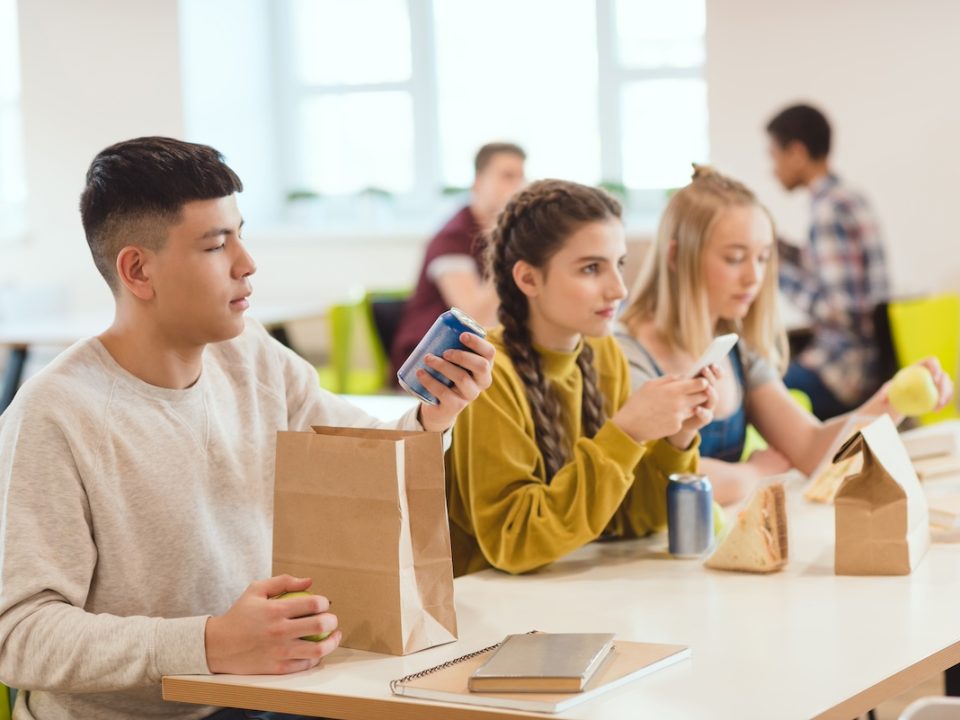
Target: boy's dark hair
(136,189)
(486,153)
(804,124)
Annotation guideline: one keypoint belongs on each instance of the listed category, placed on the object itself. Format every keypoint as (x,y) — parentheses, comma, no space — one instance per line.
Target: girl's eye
(734,260)
(591,269)
(218,247)
(621,263)
(764,259)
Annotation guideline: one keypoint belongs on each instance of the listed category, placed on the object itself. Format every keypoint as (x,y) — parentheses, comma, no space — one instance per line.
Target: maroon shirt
(458,237)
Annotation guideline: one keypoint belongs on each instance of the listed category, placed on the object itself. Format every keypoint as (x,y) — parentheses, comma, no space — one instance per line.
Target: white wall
(228,93)
(98,71)
(93,73)
(884,72)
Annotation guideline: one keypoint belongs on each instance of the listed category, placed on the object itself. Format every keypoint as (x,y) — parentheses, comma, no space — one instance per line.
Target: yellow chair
(928,326)
(359,360)
(346,372)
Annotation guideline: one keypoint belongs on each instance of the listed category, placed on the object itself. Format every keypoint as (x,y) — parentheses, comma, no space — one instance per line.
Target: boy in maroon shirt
(450,275)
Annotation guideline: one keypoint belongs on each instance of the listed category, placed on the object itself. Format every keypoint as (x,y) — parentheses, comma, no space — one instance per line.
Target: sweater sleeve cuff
(671,460)
(180,646)
(618,446)
(410,420)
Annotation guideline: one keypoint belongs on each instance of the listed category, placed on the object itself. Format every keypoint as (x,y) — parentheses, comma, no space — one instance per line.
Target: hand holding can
(443,335)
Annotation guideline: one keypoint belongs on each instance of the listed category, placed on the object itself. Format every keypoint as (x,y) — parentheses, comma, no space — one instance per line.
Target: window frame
(428,184)
(421,87)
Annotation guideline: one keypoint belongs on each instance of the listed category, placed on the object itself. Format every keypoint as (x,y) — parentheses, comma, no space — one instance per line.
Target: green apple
(302,593)
(913,391)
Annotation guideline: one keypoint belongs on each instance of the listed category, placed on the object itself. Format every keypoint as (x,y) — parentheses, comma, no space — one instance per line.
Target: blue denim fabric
(723,439)
(825,404)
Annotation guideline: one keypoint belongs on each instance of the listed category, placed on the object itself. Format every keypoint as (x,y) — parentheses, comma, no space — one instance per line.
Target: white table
(802,643)
(68,328)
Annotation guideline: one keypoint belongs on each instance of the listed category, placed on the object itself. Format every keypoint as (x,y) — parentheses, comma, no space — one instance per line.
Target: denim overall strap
(723,439)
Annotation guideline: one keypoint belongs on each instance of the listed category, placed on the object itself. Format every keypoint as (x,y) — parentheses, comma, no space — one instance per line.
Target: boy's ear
(133,271)
(797,151)
(527,277)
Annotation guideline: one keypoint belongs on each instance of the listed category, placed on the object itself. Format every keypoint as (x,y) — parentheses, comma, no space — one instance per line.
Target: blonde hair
(671,294)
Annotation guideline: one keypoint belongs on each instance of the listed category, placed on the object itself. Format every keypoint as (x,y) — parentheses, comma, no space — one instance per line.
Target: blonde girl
(713,270)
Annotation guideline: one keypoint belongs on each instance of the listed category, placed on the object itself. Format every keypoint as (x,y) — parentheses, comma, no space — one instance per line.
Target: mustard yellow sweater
(502,511)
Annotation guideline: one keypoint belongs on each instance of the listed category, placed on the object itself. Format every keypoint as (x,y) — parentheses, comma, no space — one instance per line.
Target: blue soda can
(443,335)
(689,514)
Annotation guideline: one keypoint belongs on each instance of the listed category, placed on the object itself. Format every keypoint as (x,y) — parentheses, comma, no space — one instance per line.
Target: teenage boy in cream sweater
(136,471)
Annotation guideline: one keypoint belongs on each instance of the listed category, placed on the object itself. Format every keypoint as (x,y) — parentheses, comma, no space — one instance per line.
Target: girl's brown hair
(533,227)
(669,290)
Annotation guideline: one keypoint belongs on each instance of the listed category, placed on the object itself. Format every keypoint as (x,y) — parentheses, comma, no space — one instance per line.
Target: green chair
(928,326)
(754,440)
(359,361)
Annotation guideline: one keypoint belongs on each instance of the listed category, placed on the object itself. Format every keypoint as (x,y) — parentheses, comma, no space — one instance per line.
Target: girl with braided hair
(713,270)
(557,452)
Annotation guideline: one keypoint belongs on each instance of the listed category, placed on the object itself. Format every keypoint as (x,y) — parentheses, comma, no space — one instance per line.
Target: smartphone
(718,350)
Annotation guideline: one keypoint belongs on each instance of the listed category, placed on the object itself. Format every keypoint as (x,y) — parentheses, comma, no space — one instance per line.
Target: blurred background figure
(837,277)
(452,266)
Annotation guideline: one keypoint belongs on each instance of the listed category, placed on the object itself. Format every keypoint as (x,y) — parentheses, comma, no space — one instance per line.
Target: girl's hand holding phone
(664,406)
(702,414)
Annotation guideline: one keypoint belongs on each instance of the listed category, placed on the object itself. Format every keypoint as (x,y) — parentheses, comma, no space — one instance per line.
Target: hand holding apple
(303,593)
(920,388)
(260,636)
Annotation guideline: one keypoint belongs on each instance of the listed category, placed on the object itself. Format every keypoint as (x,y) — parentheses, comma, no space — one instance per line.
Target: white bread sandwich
(757,542)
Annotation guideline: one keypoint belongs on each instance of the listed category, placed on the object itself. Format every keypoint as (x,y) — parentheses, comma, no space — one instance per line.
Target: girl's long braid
(532,227)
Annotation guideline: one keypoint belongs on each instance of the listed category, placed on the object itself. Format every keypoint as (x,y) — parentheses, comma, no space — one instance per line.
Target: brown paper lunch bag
(882,518)
(363,513)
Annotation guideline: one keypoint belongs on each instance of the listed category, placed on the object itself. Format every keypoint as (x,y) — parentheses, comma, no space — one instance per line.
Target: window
(656,90)
(392,98)
(353,102)
(12,185)
(502,76)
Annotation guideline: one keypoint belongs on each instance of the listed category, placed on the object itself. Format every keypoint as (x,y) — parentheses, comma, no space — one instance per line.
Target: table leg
(952,681)
(13,375)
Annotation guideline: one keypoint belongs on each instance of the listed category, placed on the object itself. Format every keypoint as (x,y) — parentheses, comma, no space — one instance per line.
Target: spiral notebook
(627,661)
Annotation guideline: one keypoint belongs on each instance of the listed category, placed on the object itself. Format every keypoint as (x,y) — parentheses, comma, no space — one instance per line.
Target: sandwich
(757,542)
(827,481)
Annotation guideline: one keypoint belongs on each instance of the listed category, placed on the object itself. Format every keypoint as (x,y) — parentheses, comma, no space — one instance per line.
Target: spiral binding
(396,686)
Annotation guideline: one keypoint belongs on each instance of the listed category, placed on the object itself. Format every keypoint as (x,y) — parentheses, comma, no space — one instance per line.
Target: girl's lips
(608,313)
(240,304)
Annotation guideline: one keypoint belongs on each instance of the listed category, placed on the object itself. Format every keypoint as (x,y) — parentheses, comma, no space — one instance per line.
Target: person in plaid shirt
(837,277)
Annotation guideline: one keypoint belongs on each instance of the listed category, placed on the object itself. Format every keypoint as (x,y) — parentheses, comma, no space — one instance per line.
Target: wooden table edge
(340,707)
(894,685)
(344,707)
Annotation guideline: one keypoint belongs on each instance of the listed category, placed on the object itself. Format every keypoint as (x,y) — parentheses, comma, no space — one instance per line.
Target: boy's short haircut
(487,152)
(136,189)
(804,124)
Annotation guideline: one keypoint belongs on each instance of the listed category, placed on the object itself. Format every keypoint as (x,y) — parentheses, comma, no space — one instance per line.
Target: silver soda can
(689,514)
(443,335)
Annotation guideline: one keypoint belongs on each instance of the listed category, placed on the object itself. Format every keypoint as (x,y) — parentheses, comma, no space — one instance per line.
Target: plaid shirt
(837,279)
